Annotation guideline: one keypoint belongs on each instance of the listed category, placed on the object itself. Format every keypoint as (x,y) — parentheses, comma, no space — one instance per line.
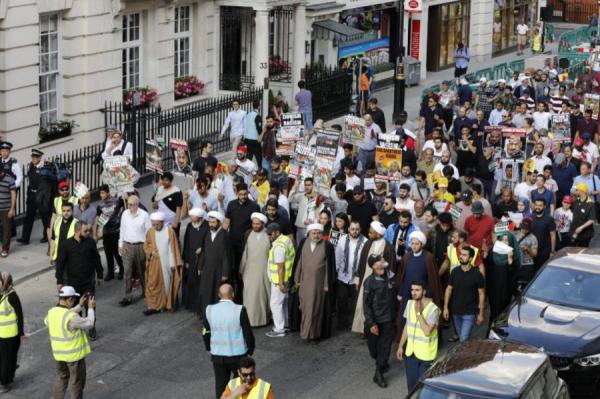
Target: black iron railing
(236,82)
(331,91)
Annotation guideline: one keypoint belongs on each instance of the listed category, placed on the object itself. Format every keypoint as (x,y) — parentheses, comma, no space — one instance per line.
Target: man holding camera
(78,264)
(69,343)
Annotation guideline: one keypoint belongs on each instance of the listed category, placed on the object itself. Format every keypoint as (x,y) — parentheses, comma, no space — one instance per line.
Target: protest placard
(118,174)
(302,161)
(354,130)
(385,157)
(327,143)
(335,236)
(153,156)
(592,101)
(322,175)
(388,140)
(455,212)
(291,119)
(509,132)
(80,190)
(561,128)
(501,227)
(181,155)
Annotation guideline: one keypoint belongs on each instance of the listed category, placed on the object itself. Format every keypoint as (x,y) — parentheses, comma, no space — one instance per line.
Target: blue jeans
(415,369)
(266,165)
(308,120)
(365,157)
(464,325)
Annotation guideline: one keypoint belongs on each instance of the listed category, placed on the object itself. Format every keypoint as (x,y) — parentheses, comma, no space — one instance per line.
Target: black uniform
(35,202)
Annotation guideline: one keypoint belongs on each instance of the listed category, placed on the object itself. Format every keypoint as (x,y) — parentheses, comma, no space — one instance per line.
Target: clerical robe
(192,246)
(254,271)
(215,265)
(163,269)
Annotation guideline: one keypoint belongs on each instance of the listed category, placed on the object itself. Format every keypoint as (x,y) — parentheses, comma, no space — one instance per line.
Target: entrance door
(433,38)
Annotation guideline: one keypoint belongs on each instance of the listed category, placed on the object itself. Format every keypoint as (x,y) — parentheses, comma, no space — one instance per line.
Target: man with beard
(376,245)
(347,255)
(245,166)
(439,238)
(200,197)
(419,220)
(277,176)
(268,142)
(404,202)
(361,208)
(237,222)
(397,234)
(305,203)
(205,159)
(584,215)
(314,275)
(388,214)
(163,266)
(215,263)
(480,227)
(506,204)
(460,121)
(541,225)
(275,215)
(427,163)
(445,161)
(253,269)
(192,247)
(465,295)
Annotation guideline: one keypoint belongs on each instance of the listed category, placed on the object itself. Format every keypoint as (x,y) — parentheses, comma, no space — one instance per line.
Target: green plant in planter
(383,67)
(56,130)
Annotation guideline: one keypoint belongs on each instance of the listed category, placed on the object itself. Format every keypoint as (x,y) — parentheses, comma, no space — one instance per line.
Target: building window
(280,44)
(131,51)
(507,15)
(48,69)
(448,26)
(182,41)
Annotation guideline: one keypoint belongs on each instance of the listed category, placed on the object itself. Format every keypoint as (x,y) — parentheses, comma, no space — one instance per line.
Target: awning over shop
(331,30)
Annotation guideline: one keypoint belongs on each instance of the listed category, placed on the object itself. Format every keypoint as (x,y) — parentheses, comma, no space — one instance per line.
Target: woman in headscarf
(11,331)
(523,208)
(500,272)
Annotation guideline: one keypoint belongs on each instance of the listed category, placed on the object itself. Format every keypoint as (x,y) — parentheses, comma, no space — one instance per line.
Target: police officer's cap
(36,153)
(6,145)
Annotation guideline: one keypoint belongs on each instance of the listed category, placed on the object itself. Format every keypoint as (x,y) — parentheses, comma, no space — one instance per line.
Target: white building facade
(63,59)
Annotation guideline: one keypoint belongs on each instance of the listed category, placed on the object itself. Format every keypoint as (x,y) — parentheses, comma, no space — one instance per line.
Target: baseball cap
(567,199)
(466,195)
(273,227)
(63,184)
(477,207)
(358,190)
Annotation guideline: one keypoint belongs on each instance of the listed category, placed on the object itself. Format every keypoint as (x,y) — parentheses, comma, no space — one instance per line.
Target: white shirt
(16,169)
(540,162)
(370,141)
(541,120)
(591,148)
(127,151)
(83,323)
(522,29)
(134,227)
(496,116)
(235,120)
(248,169)
(405,204)
(429,144)
(352,181)
(523,189)
(197,201)
(279,254)
(283,202)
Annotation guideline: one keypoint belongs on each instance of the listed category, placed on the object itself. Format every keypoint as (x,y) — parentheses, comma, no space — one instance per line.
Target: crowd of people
(487,191)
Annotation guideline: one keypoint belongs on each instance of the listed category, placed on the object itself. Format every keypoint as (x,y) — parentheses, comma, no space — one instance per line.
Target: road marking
(36,331)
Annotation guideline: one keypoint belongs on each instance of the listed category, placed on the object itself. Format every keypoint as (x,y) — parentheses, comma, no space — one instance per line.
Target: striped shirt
(557,101)
(7,184)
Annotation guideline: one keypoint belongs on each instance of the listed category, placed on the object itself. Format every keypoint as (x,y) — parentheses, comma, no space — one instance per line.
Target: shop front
(507,15)
(448,25)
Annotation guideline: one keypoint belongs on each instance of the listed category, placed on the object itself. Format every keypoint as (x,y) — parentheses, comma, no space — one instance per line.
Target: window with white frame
(131,50)
(48,69)
(182,41)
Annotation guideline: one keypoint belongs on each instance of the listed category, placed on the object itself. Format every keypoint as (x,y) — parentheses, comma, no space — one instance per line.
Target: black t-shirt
(239,217)
(454,186)
(363,213)
(388,218)
(540,228)
(465,294)
(501,208)
(200,163)
(173,201)
(284,224)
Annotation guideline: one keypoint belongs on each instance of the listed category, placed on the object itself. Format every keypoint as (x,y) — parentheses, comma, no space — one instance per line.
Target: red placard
(415,38)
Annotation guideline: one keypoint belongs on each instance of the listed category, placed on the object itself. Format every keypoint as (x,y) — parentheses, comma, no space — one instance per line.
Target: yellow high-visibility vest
(422,346)
(70,233)
(58,201)
(284,242)
(8,319)
(259,391)
(67,346)
(452,253)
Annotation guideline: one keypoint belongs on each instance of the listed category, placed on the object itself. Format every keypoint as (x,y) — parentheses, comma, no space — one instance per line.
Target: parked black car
(559,312)
(491,369)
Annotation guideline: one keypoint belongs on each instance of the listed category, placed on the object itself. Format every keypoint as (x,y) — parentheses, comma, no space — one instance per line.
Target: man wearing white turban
(314,274)
(163,266)
(417,264)
(215,261)
(376,245)
(254,271)
(192,246)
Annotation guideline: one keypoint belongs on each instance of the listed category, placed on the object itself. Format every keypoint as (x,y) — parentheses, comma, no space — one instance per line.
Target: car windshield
(567,287)
(427,392)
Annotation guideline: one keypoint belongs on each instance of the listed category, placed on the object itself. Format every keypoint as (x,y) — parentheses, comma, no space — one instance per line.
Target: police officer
(13,169)
(379,306)
(227,335)
(35,181)
(69,342)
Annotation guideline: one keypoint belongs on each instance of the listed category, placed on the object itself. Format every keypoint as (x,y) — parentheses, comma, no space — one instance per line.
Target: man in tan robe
(163,266)
(315,276)
(253,269)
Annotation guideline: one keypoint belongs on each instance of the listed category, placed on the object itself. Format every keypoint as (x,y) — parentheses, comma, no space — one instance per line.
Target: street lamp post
(399,79)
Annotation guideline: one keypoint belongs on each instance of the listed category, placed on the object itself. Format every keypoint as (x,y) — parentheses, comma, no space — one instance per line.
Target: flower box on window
(56,130)
(188,86)
(139,97)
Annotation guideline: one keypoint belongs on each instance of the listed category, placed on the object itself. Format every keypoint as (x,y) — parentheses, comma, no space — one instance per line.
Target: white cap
(501,80)
(314,226)
(157,217)
(259,216)
(216,215)
(483,79)
(67,291)
(197,212)
(378,227)
(418,235)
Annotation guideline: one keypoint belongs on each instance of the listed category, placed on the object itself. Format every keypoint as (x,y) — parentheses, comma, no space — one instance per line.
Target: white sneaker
(275,334)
